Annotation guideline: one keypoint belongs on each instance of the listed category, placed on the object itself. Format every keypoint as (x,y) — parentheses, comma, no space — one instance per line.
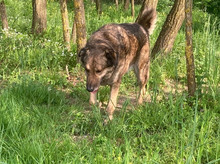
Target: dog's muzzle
(91,88)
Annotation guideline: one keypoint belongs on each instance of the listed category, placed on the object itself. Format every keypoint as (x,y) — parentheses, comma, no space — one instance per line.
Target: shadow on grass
(41,123)
(35,106)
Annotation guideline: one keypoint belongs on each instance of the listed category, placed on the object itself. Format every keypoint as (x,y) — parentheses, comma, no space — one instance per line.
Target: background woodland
(44,111)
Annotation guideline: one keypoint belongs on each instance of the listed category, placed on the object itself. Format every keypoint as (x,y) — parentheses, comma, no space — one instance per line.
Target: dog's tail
(147,19)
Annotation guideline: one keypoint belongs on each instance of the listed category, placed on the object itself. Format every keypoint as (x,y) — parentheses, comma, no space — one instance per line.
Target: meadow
(45,117)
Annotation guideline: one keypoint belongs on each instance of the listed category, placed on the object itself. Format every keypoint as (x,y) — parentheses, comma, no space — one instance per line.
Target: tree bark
(39,22)
(116,4)
(65,21)
(123,1)
(126,4)
(147,4)
(191,83)
(80,24)
(99,6)
(165,41)
(73,34)
(132,8)
(3,14)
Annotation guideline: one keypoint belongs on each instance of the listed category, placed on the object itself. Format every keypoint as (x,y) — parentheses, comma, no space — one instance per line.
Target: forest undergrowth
(45,116)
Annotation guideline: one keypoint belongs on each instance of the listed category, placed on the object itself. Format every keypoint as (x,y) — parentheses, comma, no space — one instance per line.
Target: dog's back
(122,37)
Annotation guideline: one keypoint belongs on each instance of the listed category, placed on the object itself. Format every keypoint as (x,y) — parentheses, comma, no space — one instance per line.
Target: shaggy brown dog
(112,50)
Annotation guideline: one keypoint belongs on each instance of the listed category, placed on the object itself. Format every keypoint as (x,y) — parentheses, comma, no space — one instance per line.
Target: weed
(45,116)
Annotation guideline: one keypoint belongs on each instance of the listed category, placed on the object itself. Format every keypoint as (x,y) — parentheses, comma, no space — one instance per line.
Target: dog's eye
(98,71)
(86,70)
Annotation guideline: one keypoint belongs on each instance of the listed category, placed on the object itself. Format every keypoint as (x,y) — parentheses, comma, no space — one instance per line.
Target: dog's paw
(140,101)
(96,104)
(99,104)
(108,119)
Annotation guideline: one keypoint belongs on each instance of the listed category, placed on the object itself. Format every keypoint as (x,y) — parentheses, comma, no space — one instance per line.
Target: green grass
(45,118)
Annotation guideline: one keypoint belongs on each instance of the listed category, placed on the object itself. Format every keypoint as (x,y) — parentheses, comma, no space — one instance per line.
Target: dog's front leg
(113,99)
(93,98)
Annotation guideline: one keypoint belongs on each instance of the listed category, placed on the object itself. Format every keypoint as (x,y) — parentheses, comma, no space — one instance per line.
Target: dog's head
(99,63)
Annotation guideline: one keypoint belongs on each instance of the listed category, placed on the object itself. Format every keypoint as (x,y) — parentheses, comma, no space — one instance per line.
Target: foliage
(212,6)
(46,118)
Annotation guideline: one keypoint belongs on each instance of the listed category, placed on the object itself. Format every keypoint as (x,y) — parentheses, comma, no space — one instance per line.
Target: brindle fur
(112,50)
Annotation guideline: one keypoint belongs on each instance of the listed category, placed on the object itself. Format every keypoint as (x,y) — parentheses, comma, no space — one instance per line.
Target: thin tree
(65,21)
(99,6)
(132,8)
(147,4)
(174,20)
(122,1)
(3,14)
(80,24)
(116,4)
(73,34)
(126,4)
(39,22)
(191,83)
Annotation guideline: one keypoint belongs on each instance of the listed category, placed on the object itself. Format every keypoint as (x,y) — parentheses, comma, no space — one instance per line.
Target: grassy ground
(45,118)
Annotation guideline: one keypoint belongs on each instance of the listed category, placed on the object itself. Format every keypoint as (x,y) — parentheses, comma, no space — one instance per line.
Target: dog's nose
(90,88)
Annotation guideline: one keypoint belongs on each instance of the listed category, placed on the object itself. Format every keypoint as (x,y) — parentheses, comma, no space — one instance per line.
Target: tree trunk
(126,4)
(99,6)
(132,8)
(3,14)
(147,4)
(165,41)
(39,22)
(80,24)
(65,21)
(191,83)
(123,1)
(73,34)
(116,3)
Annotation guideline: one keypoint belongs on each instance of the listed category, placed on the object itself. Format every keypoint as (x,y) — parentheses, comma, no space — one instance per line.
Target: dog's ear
(81,52)
(112,57)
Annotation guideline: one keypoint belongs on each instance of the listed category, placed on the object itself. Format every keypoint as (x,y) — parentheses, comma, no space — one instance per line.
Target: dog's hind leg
(142,68)
(113,99)
(144,76)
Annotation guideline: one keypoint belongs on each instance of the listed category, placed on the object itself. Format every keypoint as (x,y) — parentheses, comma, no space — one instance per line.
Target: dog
(112,50)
